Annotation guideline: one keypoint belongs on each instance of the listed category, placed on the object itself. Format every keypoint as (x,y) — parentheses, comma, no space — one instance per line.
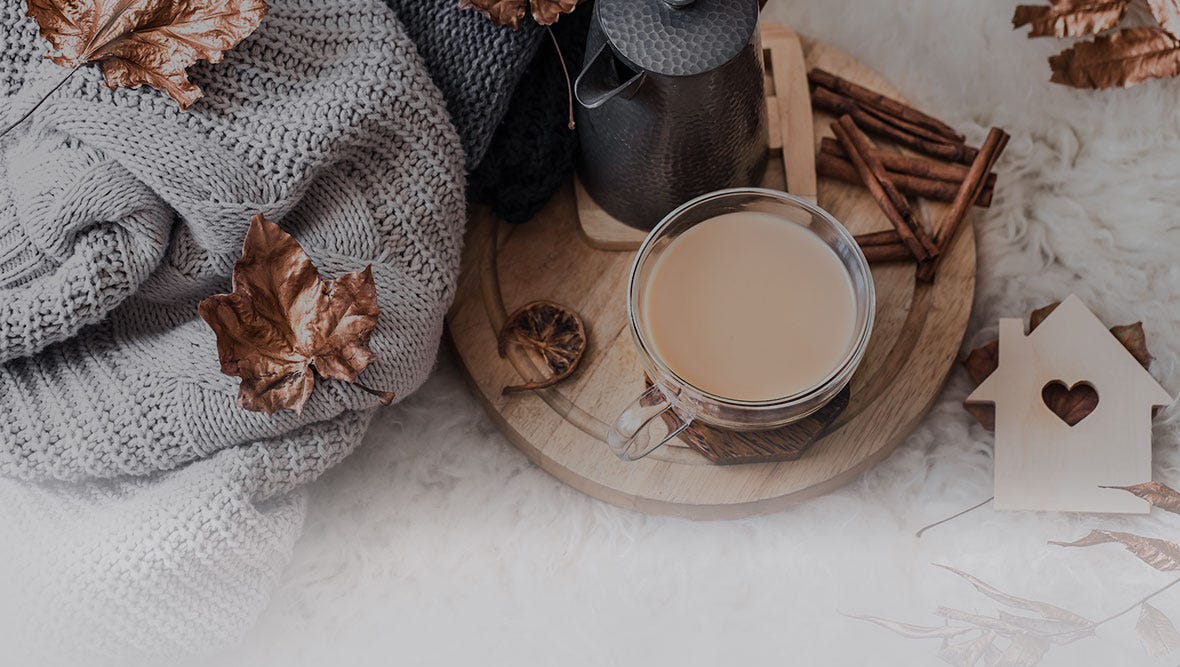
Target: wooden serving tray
(916,338)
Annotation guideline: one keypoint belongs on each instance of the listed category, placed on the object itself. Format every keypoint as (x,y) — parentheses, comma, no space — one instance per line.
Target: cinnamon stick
(914,165)
(839,105)
(887,237)
(895,108)
(888,198)
(906,126)
(892,252)
(989,153)
(949,224)
(841,169)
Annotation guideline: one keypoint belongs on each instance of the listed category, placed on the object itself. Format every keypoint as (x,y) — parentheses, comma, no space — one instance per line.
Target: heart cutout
(1070,404)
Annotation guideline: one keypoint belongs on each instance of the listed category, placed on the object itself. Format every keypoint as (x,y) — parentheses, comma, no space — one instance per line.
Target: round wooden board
(919,328)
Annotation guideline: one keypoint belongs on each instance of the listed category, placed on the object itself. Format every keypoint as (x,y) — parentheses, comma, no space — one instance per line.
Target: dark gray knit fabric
(474,63)
(532,152)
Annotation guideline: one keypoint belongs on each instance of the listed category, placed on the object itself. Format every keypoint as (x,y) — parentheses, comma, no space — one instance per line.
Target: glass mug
(630,438)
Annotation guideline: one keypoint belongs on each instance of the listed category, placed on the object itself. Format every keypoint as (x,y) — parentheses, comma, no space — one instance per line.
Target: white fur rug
(439,544)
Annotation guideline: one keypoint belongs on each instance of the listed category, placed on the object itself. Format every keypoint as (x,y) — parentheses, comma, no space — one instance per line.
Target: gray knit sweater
(144,513)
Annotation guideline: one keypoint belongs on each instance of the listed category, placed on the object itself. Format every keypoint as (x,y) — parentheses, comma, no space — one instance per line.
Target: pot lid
(677,37)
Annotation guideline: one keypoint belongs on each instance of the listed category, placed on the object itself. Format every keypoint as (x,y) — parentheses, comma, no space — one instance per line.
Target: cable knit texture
(145,513)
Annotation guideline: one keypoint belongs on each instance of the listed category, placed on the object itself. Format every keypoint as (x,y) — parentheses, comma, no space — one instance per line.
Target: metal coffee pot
(671,104)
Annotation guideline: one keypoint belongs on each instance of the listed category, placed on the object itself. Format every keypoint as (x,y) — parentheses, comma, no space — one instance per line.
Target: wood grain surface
(915,341)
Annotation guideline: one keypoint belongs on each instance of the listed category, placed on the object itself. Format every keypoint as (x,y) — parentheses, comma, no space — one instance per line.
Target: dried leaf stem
(1132,607)
(569,87)
(953,516)
(386,397)
(41,101)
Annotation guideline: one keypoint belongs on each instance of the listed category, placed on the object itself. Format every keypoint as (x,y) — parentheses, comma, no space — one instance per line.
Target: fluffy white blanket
(438,543)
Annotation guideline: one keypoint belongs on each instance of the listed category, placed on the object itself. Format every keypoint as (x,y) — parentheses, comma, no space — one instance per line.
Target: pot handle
(591,87)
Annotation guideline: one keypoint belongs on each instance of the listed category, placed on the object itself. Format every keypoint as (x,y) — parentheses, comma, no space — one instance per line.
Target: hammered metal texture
(655,37)
(671,138)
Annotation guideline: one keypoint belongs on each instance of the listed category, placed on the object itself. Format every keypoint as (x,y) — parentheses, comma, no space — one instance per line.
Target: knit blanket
(145,514)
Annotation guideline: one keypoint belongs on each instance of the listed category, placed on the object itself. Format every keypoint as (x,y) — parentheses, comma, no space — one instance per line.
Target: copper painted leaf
(1123,59)
(1156,631)
(1070,18)
(967,652)
(1160,554)
(500,12)
(1134,339)
(1044,609)
(983,361)
(145,41)
(1058,632)
(283,320)
(1159,495)
(1039,315)
(997,625)
(984,413)
(1024,651)
(1167,12)
(546,12)
(915,631)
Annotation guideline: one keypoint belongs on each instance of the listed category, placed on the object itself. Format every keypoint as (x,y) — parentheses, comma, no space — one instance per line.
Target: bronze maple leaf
(511,12)
(1070,18)
(500,12)
(145,41)
(546,12)
(283,321)
(1125,58)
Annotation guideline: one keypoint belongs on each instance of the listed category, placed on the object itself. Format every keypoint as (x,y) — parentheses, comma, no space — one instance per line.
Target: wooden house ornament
(1043,463)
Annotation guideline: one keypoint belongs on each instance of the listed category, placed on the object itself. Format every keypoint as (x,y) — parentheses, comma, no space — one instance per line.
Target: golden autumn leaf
(1160,554)
(499,12)
(1156,631)
(145,41)
(1158,494)
(1070,18)
(283,323)
(546,12)
(1122,59)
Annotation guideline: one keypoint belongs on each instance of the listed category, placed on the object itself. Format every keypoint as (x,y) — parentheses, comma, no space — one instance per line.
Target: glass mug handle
(630,438)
